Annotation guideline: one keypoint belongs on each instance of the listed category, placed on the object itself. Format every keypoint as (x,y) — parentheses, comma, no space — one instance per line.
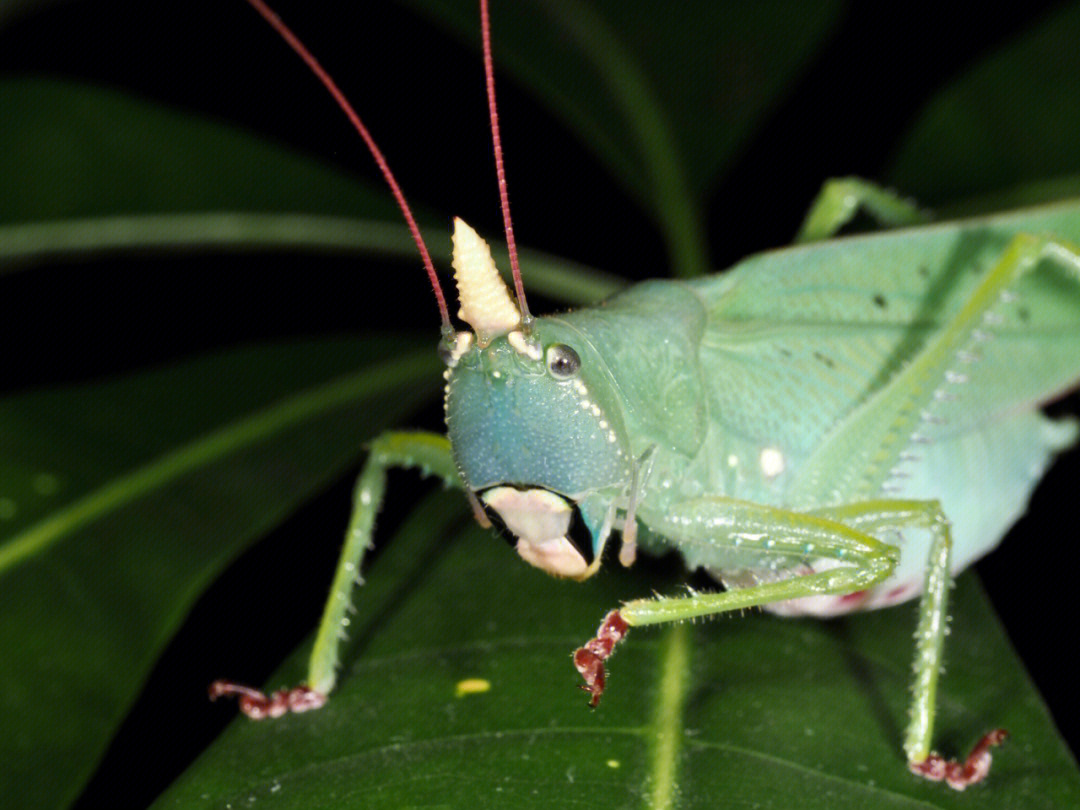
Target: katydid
(843,435)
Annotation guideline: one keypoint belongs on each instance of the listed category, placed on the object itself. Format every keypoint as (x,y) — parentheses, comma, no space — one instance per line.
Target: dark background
(421,93)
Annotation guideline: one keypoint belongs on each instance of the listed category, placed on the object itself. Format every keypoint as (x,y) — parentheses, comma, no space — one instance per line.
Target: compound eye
(562,361)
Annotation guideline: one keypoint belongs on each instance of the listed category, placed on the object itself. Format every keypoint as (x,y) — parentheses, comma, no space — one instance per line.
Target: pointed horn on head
(486,304)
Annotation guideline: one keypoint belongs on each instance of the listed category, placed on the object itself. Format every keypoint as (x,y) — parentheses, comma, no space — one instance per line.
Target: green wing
(798,338)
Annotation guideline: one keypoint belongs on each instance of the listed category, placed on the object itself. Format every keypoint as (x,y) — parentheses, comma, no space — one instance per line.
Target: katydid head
(545,461)
(532,433)
(534,437)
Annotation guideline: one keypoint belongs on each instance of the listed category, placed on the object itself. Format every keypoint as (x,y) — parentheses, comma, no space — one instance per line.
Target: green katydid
(809,437)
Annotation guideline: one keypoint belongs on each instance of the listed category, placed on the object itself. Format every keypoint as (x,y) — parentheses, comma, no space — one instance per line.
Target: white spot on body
(733,460)
(523,346)
(462,342)
(772,462)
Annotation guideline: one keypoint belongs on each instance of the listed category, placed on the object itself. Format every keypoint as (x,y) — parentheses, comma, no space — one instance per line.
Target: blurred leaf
(1038,192)
(763,711)
(71,195)
(120,501)
(13,9)
(1010,119)
(665,101)
(75,151)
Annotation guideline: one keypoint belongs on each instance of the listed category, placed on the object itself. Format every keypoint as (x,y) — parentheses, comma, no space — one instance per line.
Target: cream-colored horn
(486,304)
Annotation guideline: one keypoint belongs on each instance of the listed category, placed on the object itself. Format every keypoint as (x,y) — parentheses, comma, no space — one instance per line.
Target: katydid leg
(860,561)
(847,535)
(841,198)
(428,452)
(885,515)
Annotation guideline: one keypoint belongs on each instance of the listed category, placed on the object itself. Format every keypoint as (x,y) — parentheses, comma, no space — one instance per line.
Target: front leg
(843,538)
(703,526)
(428,452)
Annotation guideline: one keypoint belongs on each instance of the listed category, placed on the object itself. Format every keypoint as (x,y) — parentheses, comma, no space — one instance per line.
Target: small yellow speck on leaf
(471,686)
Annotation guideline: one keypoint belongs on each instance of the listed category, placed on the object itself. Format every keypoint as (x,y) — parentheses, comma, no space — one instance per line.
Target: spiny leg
(844,534)
(841,198)
(884,515)
(754,529)
(428,452)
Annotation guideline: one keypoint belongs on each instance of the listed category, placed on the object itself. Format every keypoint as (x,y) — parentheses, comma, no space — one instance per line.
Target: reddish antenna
(320,73)
(500,171)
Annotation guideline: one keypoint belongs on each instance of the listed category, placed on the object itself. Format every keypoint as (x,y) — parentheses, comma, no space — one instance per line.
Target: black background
(422,96)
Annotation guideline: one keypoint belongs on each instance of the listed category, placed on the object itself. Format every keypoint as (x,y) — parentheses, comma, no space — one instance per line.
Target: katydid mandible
(808,438)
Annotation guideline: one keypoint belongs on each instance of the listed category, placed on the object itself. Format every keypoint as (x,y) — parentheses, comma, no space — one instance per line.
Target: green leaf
(74,150)
(117,508)
(1024,195)
(748,711)
(24,245)
(1008,120)
(68,197)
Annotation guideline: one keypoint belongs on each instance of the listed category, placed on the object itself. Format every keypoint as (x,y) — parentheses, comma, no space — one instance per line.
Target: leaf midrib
(667,726)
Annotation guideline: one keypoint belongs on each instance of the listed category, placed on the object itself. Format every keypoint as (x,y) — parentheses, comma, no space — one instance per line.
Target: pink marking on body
(894,596)
(822,606)
(853,598)
(589,659)
(959,775)
(257,705)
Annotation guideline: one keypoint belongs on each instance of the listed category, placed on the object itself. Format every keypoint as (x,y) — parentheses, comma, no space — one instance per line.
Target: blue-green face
(535,434)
